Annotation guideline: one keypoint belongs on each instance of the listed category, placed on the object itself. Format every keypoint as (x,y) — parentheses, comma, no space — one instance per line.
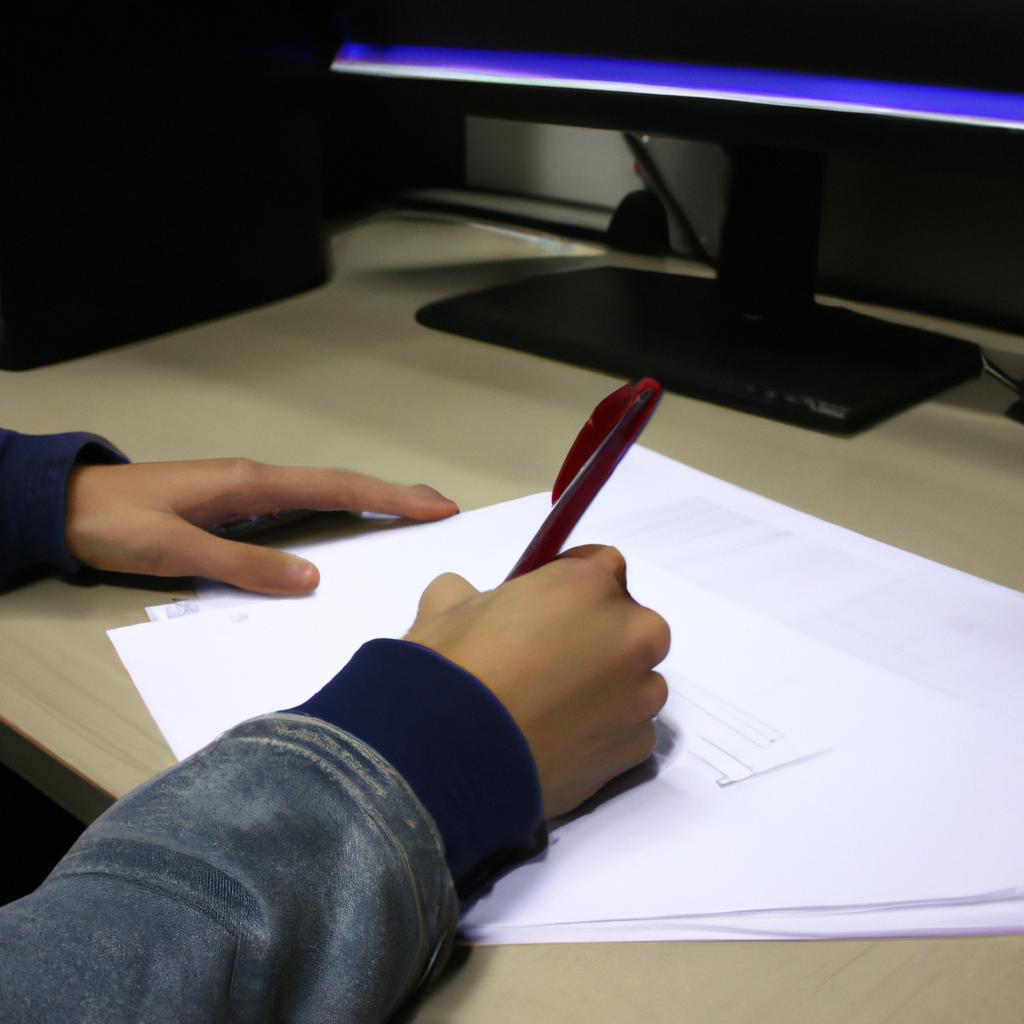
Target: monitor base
(829,368)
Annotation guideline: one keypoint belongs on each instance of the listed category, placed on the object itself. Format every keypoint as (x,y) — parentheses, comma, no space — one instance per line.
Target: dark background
(40,834)
(164,164)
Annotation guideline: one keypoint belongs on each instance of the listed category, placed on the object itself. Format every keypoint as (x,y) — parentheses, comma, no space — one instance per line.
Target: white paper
(998,914)
(248,641)
(841,752)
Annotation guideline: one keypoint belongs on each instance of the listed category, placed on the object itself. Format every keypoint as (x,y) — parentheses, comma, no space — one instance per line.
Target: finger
(448,590)
(632,747)
(194,552)
(641,744)
(653,633)
(272,488)
(651,696)
(608,557)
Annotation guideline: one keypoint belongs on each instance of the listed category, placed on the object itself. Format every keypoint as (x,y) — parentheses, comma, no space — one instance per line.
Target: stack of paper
(840,754)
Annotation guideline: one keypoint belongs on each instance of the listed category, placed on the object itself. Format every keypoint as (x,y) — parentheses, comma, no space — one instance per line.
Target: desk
(343,376)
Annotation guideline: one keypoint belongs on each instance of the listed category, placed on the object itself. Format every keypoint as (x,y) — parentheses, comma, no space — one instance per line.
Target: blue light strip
(746,85)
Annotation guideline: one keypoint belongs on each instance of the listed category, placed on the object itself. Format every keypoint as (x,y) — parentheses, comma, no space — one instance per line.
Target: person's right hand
(571,656)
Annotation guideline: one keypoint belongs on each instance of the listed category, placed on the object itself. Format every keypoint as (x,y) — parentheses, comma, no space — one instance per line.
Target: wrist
(454,743)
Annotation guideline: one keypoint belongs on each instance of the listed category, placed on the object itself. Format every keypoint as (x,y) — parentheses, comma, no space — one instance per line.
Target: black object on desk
(753,338)
(832,370)
(159,166)
(200,213)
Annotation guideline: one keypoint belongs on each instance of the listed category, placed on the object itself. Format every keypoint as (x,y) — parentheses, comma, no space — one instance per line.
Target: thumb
(448,590)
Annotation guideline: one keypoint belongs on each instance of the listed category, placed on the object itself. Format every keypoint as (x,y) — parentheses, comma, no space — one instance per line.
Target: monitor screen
(899,62)
(970,43)
(755,87)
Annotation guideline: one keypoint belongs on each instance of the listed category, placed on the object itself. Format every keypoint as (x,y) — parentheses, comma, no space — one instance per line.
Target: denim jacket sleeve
(285,872)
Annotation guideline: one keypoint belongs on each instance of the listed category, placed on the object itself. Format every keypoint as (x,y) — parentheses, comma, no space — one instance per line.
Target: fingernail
(303,575)
(429,492)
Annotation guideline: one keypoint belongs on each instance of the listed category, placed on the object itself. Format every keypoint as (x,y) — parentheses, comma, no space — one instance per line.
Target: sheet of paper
(718,701)
(947,630)
(893,817)
(1001,914)
(860,824)
(815,753)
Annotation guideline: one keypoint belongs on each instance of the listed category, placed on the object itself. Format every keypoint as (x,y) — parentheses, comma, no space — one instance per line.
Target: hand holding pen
(561,644)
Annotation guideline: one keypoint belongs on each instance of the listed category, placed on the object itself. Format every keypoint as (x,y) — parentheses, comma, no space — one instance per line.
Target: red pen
(605,438)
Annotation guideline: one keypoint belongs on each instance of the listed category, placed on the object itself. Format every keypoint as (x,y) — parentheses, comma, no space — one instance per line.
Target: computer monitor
(780,86)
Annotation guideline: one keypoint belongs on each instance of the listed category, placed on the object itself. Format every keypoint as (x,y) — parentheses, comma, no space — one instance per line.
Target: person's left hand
(153,518)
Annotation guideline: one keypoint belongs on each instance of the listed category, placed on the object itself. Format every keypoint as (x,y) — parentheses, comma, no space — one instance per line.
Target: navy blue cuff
(34,473)
(453,742)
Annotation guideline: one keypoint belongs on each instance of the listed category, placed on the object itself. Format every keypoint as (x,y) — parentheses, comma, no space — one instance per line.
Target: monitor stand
(753,338)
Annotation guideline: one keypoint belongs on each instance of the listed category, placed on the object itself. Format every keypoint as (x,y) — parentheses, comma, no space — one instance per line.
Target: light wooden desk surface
(343,376)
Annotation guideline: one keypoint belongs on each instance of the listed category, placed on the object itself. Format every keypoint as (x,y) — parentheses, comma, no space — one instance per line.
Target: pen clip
(603,420)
